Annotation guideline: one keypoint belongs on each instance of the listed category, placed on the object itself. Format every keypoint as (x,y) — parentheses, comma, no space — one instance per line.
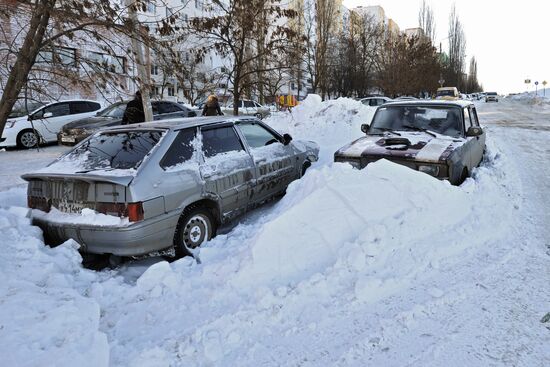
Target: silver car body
(227,184)
(248,108)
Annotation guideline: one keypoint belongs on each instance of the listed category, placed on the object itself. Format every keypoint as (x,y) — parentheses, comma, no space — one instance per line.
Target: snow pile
(330,124)
(381,266)
(541,98)
(45,319)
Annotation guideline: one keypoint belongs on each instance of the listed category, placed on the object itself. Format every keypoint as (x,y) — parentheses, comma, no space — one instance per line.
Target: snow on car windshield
(442,120)
(121,150)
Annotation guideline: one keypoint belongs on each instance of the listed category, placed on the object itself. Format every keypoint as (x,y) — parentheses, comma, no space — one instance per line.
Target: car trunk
(73,193)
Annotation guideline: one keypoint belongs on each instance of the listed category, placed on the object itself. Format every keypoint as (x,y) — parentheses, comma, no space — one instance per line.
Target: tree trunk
(26,58)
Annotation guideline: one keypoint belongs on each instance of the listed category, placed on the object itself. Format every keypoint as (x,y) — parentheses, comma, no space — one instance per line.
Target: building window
(102,62)
(171,91)
(59,56)
(169,12)
(151,7)
(154,69)
(197,3)
(292,86)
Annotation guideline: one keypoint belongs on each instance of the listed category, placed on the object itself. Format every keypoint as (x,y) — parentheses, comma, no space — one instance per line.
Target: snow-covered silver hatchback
(163,187)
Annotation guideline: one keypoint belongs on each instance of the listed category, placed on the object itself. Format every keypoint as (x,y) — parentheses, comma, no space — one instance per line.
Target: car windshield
(440,119)
(23,110)
(445,92)
(491,94)
(114,111)
(120,150)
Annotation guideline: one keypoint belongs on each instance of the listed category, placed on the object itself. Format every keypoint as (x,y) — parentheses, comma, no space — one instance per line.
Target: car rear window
(120,150)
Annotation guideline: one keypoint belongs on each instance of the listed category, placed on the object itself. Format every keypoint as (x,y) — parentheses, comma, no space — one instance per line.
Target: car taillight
(35,202)
(134,211)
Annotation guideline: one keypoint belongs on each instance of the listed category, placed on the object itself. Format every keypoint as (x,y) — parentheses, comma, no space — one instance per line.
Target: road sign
(544,83)
(536,83)
(527,81)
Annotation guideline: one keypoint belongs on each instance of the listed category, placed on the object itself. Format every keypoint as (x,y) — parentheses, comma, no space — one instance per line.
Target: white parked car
(248,108)
(43,124)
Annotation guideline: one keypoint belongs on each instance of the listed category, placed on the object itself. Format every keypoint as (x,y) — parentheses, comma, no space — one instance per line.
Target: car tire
(195,227)
(28,139)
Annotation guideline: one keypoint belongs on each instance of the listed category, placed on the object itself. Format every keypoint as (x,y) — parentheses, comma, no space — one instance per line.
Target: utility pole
(140,62)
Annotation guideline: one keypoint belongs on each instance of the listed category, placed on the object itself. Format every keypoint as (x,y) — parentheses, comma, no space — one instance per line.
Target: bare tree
(230,28)
(457,51)
(426,20)
(64,44)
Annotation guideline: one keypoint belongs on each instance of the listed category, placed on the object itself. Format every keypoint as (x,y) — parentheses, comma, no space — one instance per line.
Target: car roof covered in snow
(420,102)
(179,123)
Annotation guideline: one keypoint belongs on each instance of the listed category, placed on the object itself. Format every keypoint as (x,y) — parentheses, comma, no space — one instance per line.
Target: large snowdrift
(351,267)
(330,123)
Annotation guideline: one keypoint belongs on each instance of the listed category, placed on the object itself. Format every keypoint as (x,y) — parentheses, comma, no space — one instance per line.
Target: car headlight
(430,170)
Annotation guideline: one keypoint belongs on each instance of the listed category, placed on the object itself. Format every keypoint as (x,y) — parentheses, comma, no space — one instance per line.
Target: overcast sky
(506,37)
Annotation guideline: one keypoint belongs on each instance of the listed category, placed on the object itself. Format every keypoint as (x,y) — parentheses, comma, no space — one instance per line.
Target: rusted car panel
(451,157)
(183,169)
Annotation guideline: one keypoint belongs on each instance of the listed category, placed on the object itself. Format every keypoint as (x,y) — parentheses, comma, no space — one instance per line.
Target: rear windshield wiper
(416,128)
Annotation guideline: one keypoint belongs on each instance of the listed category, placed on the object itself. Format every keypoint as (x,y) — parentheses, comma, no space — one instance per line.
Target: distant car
(447,94)
(44,123)
(172,183)
(440,138)
(491,97)
(248,108)
(79,130)
(375,101)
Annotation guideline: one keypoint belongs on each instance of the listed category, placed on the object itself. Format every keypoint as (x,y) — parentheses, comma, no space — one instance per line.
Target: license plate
(66,207)
(67,139)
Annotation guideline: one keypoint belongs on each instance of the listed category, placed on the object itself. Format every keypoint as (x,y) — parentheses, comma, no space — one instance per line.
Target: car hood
(92,123)
(417,146)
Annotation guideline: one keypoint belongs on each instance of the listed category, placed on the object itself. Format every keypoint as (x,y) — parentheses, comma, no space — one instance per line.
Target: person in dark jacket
(134,113)
(212,107)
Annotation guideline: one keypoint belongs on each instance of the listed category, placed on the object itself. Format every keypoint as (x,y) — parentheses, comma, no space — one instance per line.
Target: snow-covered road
(382,267)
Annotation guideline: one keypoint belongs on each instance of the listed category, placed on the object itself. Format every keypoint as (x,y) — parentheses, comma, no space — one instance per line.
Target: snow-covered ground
(382,267)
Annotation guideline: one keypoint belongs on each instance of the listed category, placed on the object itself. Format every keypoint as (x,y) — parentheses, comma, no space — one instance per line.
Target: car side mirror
(287,139)
(365,128)
(474,131)
(47,115)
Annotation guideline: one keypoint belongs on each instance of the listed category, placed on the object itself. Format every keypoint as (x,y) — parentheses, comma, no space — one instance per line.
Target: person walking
(134,113)
(212,107)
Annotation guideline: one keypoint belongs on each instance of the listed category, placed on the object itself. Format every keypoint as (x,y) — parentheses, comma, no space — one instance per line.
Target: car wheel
(194,228)
(27,139)
(259,116)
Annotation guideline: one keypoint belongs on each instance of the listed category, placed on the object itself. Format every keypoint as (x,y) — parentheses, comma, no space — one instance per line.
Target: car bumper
(137,239)
(8,138)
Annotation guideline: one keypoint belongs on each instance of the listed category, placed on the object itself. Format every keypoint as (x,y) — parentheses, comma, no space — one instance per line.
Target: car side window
(473,113)
(218,140)
(79,107)
(165,107)
(181,149)
(155,108)
(93,106)
(467,120)
(59,109)
(373,102)
(256,135)
(257,104)
(248,104)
